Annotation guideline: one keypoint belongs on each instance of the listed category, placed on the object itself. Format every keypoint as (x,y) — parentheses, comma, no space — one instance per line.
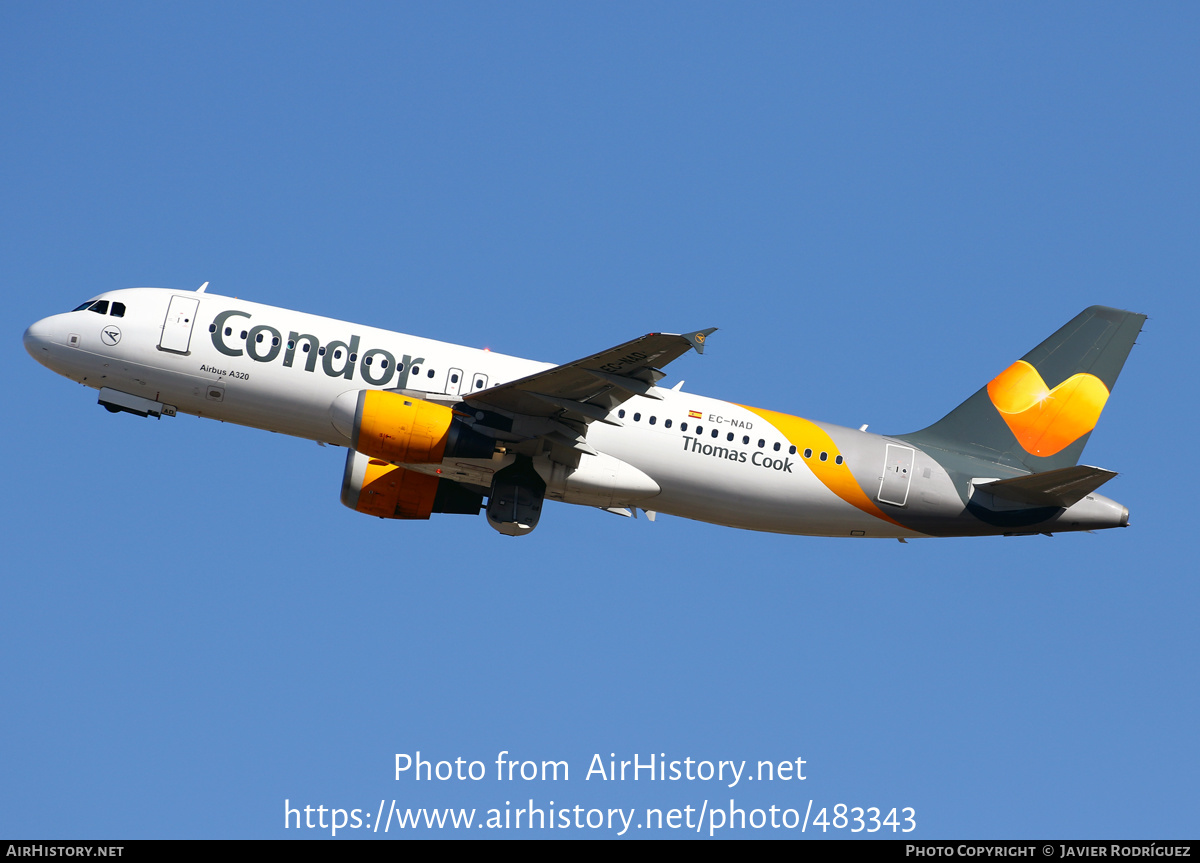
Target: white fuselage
(281,370)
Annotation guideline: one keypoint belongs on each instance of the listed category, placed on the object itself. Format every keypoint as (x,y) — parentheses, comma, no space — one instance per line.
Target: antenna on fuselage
(200,289)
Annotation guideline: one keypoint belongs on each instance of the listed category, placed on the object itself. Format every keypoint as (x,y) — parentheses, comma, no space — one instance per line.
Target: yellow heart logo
(1044,420)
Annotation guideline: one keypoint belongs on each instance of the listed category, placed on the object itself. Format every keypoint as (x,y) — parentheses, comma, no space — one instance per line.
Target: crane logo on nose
(110,336)
(1045,421)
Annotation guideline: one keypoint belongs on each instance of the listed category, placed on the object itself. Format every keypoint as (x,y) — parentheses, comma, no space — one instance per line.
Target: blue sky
(879,205)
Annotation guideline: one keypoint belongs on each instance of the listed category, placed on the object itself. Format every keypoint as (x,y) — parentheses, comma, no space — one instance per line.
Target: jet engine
(403,430)
(515,501)
(374,487)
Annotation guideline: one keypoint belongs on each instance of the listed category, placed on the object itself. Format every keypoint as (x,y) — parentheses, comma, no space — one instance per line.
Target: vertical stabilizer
(1038,413)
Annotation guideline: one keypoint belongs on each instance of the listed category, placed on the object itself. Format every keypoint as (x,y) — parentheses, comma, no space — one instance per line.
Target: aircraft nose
(37,339)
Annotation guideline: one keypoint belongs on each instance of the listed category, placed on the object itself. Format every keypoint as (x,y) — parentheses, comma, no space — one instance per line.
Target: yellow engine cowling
(389,492)
(374,487)
(400,429)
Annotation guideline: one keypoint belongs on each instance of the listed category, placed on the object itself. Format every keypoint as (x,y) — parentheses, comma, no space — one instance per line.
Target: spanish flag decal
(696,415)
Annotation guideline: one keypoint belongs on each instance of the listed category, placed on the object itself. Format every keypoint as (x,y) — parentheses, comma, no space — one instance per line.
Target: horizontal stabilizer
(1063,487)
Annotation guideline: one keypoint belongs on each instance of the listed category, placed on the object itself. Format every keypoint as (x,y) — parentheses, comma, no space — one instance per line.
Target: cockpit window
(100,307)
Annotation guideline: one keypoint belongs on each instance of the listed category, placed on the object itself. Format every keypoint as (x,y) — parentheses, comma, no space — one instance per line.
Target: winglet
(699,337)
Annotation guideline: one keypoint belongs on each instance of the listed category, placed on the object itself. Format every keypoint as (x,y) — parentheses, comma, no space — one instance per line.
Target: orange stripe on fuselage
(805,434)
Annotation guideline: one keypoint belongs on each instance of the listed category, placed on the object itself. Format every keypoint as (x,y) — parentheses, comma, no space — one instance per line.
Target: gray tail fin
(1039,412)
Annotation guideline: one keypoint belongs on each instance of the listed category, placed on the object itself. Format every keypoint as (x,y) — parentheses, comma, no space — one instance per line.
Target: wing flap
(630,385)
(584,409)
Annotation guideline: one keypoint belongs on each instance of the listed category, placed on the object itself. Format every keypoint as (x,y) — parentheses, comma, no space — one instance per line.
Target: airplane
(431,427)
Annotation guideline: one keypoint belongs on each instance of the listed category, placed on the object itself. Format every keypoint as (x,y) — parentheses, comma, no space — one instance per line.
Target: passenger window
(229,332)
(683,426)
(637,418)
(258,338)
(716,432)
(667,423)
(761,443)
(212,328)
(118,310)
(653,420)
(354,358)
(321,351)
(776,446)
(791,450)
(429,373)
(307,346)
(243,334)
(621,413)
(824,456)
(699,430)
(745,439)
(808,453)
(383,363)
(838,460)
(729,437)
(367,361)
(453,379)
(416,370)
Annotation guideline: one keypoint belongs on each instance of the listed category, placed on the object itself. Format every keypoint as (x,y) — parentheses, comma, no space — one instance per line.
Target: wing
(558,404)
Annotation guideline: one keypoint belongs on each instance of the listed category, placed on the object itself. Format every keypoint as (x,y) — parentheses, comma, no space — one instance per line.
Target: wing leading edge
(590,388)
(569,397)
